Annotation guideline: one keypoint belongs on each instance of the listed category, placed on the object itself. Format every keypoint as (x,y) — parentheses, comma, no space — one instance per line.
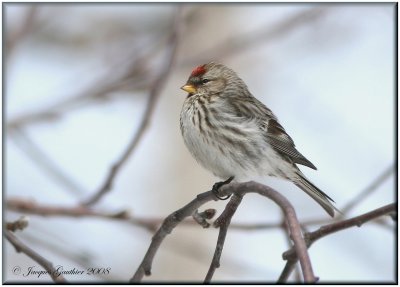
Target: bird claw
(218,185)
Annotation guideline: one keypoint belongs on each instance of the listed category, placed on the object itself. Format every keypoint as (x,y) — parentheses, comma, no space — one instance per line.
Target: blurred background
(80,78)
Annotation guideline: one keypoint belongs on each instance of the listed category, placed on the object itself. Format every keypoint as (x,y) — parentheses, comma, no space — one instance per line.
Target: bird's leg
(218,185)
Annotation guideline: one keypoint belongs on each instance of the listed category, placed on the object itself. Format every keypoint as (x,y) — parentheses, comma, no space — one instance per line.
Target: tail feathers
(319,196)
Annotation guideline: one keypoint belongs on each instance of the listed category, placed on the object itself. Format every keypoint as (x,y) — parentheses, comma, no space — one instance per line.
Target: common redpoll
(234,135)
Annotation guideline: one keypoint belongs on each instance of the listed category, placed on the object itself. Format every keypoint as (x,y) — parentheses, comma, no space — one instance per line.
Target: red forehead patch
(198,71)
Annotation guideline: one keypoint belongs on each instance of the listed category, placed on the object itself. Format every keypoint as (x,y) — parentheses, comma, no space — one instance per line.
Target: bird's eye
(204,81)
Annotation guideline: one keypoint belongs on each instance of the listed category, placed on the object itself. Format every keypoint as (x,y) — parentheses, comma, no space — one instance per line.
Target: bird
(234,135)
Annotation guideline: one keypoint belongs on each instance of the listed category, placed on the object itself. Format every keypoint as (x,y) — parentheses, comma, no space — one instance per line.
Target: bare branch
(39,157)
(239,189)
(25,28)
(101,90)
(223,222)
(129,73)
(247,40)
(292,222)
(150,224)
(369,189)
(46,264)
(294,266)
(28,206)
(166,228)
(355,221)
(148,113)
(325,230)
(287,270)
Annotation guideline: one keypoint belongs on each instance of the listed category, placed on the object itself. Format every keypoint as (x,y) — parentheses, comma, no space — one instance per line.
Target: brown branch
(247,40)
(379,180)
(101,90)
(287,270)
(292,223)
(223,222)
(79,255)
(358,221)
(115,79)
(155,93)
(29,206)
(46,264)
(239,189)
(129,73)
(369,189)
(39,157)
(293,266)
(26,27)
(325,230)
(166,228)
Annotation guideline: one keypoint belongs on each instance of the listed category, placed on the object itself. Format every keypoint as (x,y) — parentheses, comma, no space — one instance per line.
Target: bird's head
(210,79)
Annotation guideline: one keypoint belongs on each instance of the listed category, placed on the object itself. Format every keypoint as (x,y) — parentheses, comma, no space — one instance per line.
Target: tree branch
(31,207)
(46,264)
(48,165)
(358,221)
(238,189)
(223,222)
(292,223)
(369,189)
(325,230)
(25,28)
(247,40)
(155,93)
(294,266)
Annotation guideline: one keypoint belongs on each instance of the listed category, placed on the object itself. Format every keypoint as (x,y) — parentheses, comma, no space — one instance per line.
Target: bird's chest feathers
(194,130)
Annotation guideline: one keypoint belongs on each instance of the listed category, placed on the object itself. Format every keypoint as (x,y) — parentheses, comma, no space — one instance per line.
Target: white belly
(243,158)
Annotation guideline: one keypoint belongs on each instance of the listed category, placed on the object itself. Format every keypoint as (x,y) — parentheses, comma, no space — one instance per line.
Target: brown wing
(283,143)
(252,108)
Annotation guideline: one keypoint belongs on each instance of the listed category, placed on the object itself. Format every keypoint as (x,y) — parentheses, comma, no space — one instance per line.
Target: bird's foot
(218,185)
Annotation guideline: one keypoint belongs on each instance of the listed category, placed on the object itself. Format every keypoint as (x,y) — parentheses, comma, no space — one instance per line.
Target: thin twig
(103,88)
(369,189)
(166,228)
(358,221)
(325,230)
(292,222)
(39,157)
(287,270)
(294,267)
(25,28)
(237,188)
(223,222)
(129,73)
(268,33)
(31,207)
(70,252)
(46,264)
(155,93)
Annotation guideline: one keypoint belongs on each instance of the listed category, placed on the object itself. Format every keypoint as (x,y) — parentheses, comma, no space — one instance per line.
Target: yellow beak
(189,88)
